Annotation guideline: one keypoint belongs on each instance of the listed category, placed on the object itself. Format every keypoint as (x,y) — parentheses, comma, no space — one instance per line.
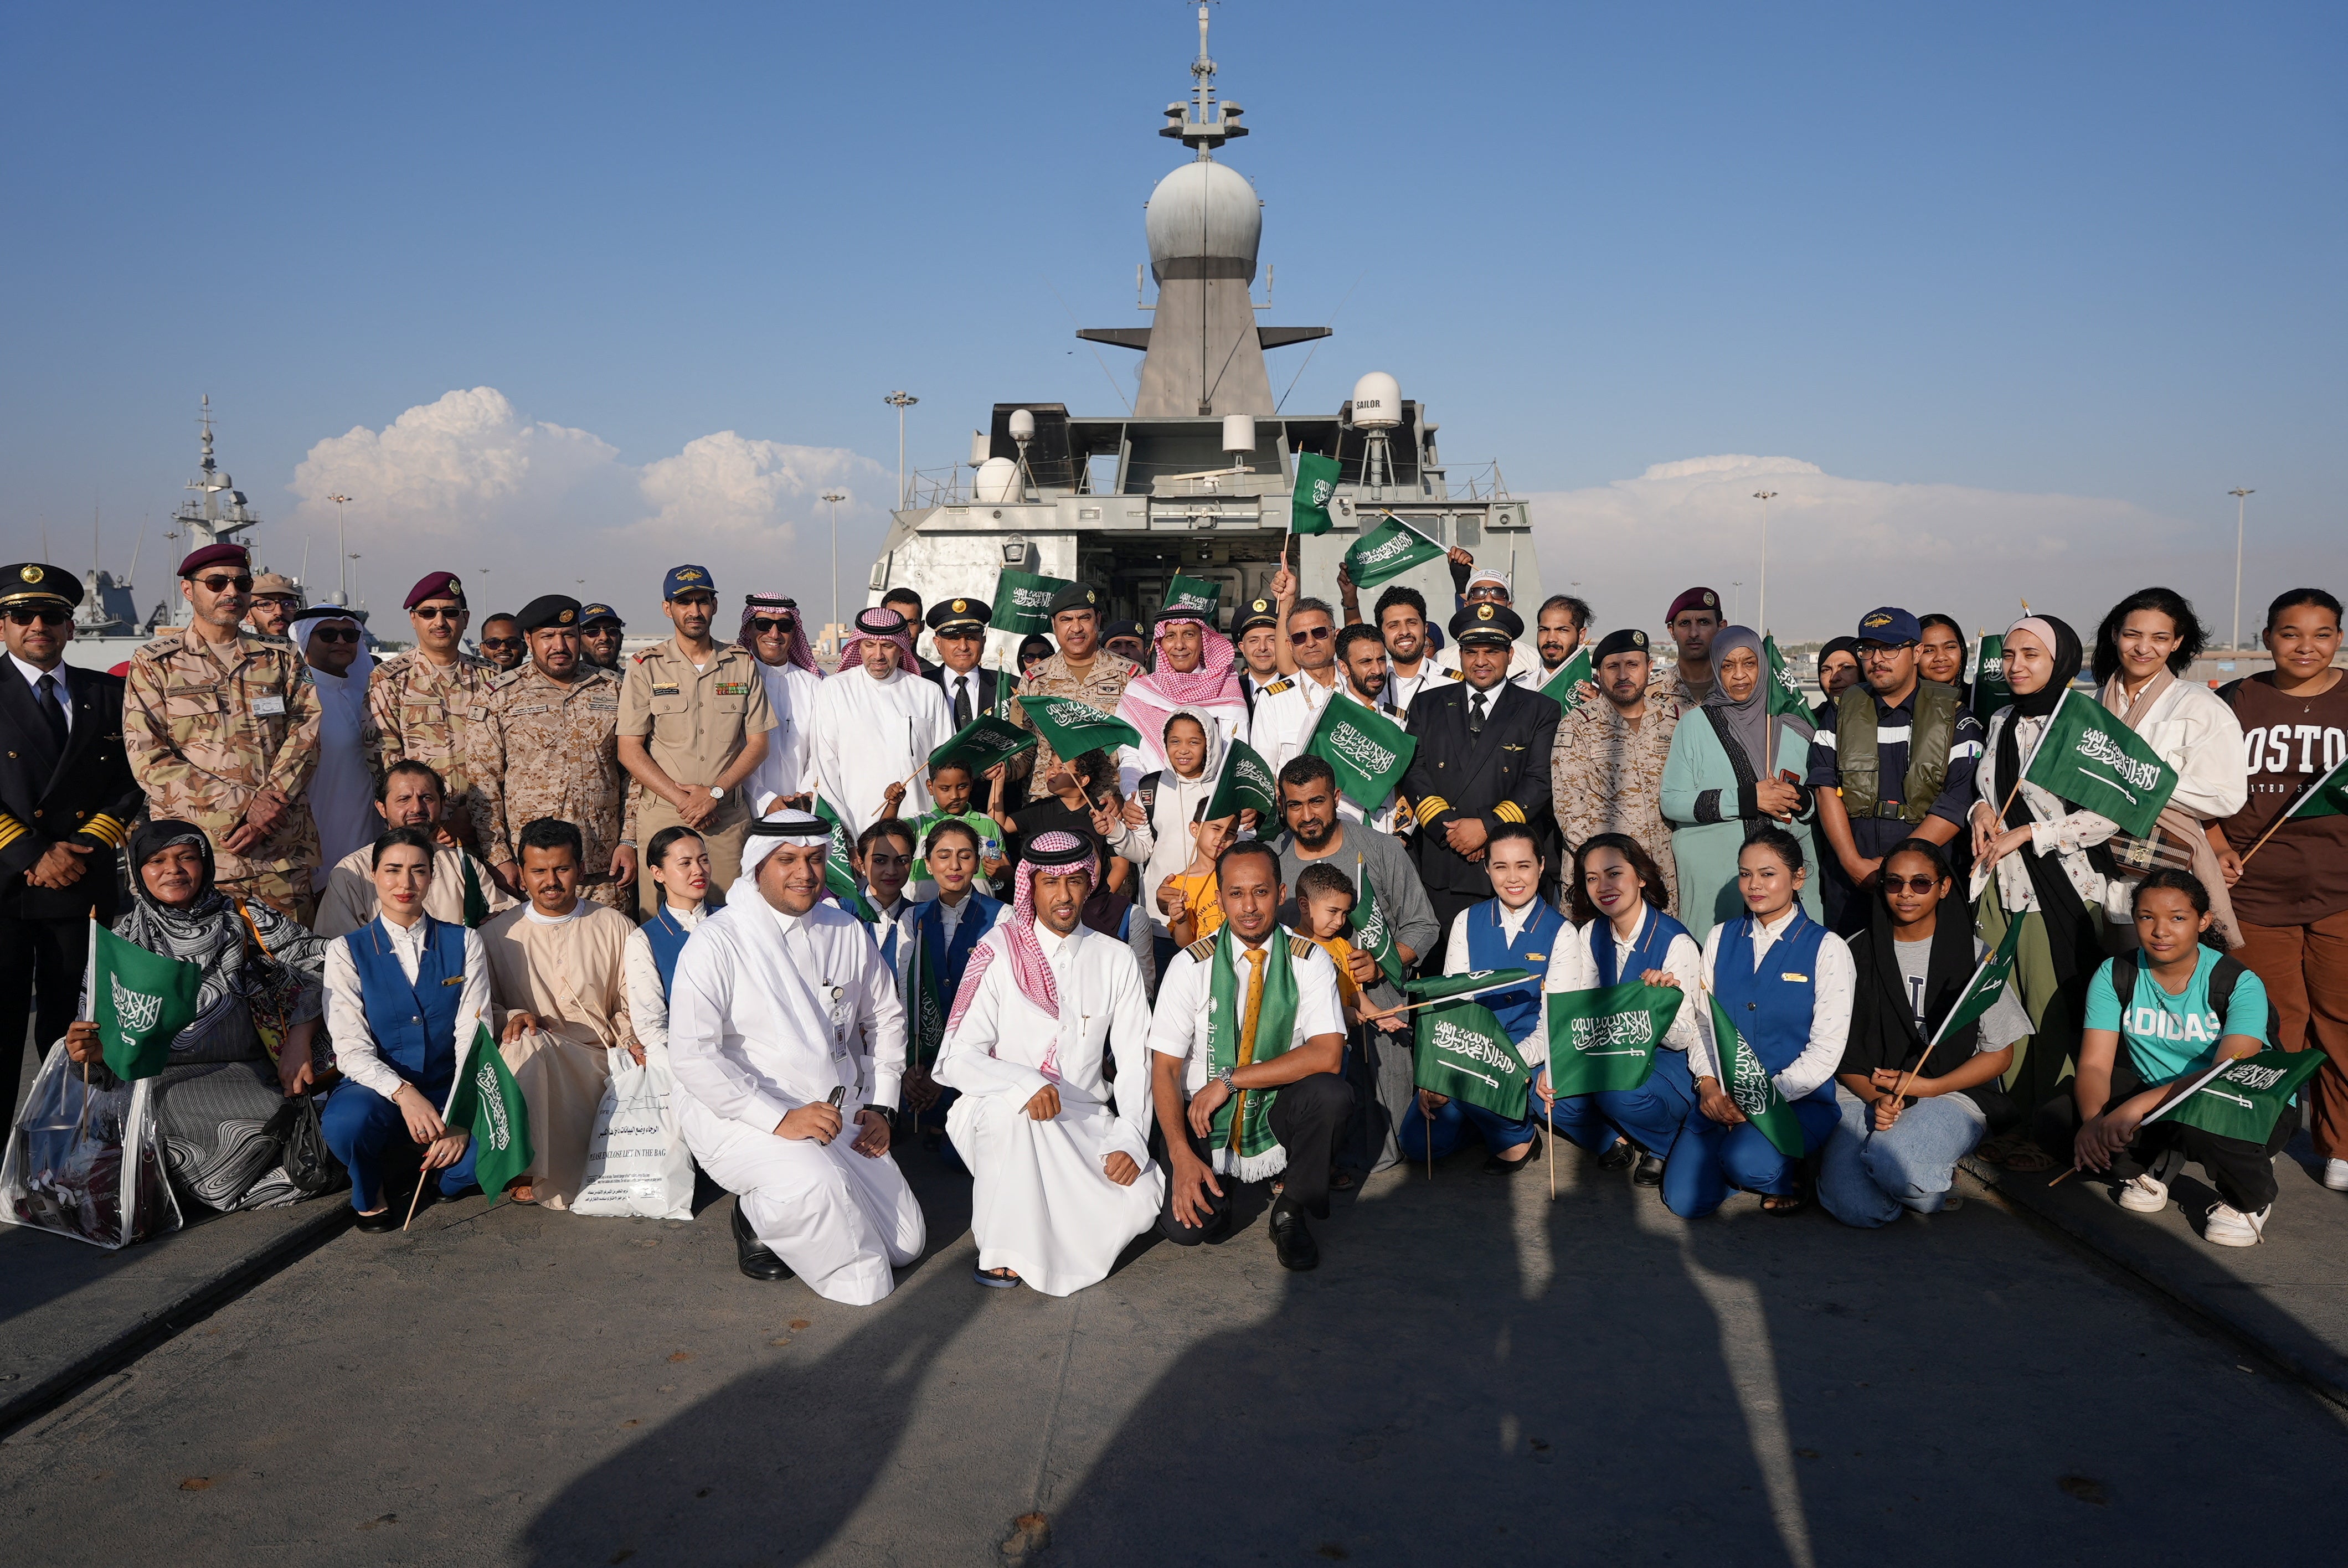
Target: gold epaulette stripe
(106,830)
(1430,808)
(1510,811)
(1299,947)
(11,830)
(1202,949)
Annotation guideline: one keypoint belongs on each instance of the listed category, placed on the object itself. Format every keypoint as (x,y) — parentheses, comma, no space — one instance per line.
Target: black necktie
(46,696)
(1475,714)
(962,703)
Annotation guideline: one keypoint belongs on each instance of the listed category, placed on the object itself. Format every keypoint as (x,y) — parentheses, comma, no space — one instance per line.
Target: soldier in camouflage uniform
(1082,668)
(426,703)
(548,745)
(222,730)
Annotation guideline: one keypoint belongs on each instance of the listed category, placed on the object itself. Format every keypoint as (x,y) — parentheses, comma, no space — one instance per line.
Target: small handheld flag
(139,1001)
(1368,752)
(1749,1085)
(1316,485)
(1372,934)
(1463,1054)
(1023,602)
(487,1103)
(1073,728)
(1605,1039)
(2087,756)
(983,742)
(839,863)
(2244,1098)
(1387,551)
(1244,785)
(1559,688)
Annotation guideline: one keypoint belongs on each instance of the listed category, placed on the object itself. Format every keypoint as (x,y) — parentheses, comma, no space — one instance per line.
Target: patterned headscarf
(1057,851)
(879,624)
(210,930)
(800,651)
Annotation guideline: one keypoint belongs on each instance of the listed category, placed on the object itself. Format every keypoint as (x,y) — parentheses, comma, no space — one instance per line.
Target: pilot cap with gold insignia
(959,617)
(1256,612)
(32,582)
(1492,625)
(556,609)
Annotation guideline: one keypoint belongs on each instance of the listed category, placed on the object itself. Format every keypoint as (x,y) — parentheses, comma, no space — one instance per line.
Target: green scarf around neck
(1242,1139)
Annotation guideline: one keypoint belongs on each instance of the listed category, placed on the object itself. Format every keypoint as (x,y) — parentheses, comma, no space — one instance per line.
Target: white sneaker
(2229,1226)
(2335,1175)
(2143,1194)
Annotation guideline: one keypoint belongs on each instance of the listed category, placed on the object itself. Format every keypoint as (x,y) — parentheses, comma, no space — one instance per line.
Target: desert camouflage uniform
(547,748)
(424,713)
(1103,688)
(207,730)
(1606,778)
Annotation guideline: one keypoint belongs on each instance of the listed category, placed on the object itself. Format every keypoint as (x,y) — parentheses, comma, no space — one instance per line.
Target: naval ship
(1196,479)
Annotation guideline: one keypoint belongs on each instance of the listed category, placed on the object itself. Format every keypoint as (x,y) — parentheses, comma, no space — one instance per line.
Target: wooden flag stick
(1549,1110)
(2305,795)
(422,1177)
(2171,1103)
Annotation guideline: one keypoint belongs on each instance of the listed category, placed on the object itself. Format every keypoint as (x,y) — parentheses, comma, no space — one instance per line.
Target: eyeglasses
(501,641)
(1917,885)
(243,584)
(336,633)
(23,615)
(438,612)
(763,626)
(695,600)
(1310,634)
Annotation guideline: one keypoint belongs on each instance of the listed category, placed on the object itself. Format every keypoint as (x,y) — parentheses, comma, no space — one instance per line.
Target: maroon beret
(221,554)
(435,585)
(1693,599)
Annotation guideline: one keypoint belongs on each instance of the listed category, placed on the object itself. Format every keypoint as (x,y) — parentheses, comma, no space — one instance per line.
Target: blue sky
(2084,251)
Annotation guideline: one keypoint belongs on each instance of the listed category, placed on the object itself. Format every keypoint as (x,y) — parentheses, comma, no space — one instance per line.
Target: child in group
(951,787)
(1154,829)
(1188,899)
(2179,1006)
(1324,908)
(1899,1138)
(933,941)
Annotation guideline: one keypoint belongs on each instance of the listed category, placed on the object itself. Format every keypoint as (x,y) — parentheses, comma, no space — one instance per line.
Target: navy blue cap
(588,614)
(1890,626)
(688,579)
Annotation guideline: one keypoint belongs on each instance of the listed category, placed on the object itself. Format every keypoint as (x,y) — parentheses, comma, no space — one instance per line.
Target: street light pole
(342,547)
(354,556)
(835,498)
(1736,585)
(899,401)
(1761,610)
(2241,502)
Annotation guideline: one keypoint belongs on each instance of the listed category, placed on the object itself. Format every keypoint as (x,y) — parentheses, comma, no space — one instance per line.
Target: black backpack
(2223,977)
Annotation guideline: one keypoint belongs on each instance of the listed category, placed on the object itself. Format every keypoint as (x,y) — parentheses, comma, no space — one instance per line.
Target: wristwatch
(716,791)
(1224,1078)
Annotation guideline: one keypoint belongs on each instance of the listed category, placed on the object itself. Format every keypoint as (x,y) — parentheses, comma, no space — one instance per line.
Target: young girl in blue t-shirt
(2173,1031)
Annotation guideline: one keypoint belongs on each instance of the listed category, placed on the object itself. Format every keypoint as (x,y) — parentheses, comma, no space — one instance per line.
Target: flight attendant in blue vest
(1515,929)
(403,993)
(678,863)
(934,942)
(1787,982)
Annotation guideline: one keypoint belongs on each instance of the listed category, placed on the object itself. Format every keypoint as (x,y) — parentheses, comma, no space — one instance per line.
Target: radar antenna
(1202,123)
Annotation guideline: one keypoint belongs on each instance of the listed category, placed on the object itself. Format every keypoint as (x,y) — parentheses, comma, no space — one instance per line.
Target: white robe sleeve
(1455,948)
(967,1061)
(701,997)
(1129,1026)
(647,1003)
(1687,965)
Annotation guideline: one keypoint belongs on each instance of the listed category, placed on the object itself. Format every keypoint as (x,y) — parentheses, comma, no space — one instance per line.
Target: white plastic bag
(637,1165)
(85,1159)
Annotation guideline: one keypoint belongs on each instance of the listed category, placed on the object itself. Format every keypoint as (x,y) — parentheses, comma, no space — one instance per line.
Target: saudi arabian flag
(2242,1099)
(1023,602)
(1072,728)
(1316,485)
(1387,551)
(1436,988)
(1990,690)
(1559,687)
(1463,1054)
(1784,691)
(487,1102)
(2089,758)
(477,903)
(1983,990)
(1749,1085)
(929,1003)
(1368,752)
(1244,785)
(1194,594)
(1372,934)
(1606,1037)
(2327,796)
(139,1001)
(839,865)
(982,744)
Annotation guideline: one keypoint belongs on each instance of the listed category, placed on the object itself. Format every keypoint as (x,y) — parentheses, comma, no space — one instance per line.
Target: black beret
(1076,596)
(1629,639)
(1486,624)
(549,610)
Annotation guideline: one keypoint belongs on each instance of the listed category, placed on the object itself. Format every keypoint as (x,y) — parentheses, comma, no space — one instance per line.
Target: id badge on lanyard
(843,1022)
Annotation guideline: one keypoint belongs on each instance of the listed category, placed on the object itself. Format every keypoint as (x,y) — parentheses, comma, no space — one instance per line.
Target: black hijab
(2068,657)
(1883,1032)
(2074,937)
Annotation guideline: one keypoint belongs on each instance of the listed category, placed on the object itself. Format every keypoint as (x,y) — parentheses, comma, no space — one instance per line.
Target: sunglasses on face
(24,616)
(696,601)
(1310,634)
(222,584)
(336,634)
(1917,885)
(438,612)
(763,626)
(501,641)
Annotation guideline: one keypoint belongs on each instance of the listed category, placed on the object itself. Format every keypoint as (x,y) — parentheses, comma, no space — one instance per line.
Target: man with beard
(876,724)
(601,634)
(1256,635)
(1563,622)
(463,892)
(1361,658)
(1288,709)
(1694,620)
(502,644)
(1411,663)
(777,637)
(427,701)
(1193,671)
(277,599)
(1607,772)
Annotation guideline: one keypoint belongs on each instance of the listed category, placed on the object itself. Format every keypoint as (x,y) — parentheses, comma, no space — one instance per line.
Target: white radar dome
(1023,425)
(997,481)
(1377,402)
(1204,211)
(1238,433)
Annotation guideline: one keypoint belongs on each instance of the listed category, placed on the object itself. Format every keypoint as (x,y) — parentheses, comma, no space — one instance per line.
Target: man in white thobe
(1061,1175)
(342,792)
(772,630)
(876,722)
(788,1042)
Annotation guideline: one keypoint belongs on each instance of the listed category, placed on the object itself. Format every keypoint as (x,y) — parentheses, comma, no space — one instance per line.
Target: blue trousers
(1450,1128)
(1709,1159)
(1867,1177)
(1649,1115)
(358,1122)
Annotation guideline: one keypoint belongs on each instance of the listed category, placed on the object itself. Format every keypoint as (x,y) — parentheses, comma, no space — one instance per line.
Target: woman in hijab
(1156,821)
(2031,862)
(1720,787)
(262,983)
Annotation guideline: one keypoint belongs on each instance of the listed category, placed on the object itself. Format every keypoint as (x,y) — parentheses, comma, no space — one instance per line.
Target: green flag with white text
(1784,691)
(839,863)
(1605,1037)
(1559,687)
(1193,594)
(1749,1085)
(983,742)
(1462,1053)
(2245,1100)
(1072,727)
(2328,796)
(1023,602)
(1244,785)
(139,1001)
(1368,752)
(1387,551)
(487,1102)
(1990,690)
(1372,933)
(1987,985)
(2089,758)
(1434,988)
(1316,485)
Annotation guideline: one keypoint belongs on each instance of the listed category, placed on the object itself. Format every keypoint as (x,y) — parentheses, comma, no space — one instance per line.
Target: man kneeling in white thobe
(1061,1179)
(787,1041)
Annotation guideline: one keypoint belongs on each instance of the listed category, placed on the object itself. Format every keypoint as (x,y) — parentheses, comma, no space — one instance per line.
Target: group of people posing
(1115,1004)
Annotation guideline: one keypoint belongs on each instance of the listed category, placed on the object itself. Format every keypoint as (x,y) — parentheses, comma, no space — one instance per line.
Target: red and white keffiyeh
(1030,970)
(800,651)
(879,625)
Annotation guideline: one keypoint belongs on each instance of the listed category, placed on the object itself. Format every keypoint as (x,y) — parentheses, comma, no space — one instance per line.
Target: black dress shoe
(757,1259)
(1649,1172)
(1292,1242)
(1511,1167)
(1619,1154)
(388,1219)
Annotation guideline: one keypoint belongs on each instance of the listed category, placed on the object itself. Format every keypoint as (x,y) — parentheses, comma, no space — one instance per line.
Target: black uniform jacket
(85,794)
(1500,775)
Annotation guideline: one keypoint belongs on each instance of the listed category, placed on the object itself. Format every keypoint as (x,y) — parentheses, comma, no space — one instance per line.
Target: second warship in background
(1197,478)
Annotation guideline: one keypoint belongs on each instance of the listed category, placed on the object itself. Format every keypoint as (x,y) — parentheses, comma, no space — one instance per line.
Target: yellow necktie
(1250,1016)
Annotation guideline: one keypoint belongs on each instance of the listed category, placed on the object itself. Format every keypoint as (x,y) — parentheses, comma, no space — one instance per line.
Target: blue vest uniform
(1517,1009)
(667,936)
(414,1025)
(1651,1115)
